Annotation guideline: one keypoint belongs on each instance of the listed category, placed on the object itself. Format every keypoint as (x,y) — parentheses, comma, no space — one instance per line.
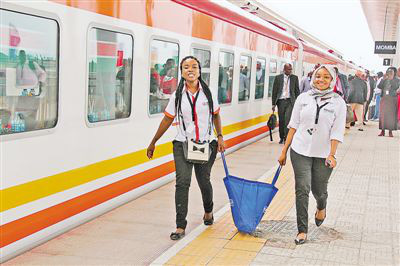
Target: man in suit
(284,93)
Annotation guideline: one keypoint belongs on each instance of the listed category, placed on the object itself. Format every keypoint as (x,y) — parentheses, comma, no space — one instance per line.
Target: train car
(83,85)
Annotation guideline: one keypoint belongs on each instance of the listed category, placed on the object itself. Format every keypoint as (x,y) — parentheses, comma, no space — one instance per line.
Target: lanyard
(193,104)
(318,110)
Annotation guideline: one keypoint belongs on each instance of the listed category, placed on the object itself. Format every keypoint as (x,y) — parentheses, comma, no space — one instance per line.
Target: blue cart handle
(224,161)
(278,171)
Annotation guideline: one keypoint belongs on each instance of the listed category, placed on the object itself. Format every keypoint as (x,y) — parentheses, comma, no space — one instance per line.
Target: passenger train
(83,85)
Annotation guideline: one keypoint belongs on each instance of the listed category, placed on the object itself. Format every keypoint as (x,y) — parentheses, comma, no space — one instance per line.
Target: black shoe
(318,222)
(177,236)
(282,141)
(300,241)
(209,221)
(352,124)
(360,129)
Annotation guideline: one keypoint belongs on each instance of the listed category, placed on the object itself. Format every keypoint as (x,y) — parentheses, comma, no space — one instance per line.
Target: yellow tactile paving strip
(222,244)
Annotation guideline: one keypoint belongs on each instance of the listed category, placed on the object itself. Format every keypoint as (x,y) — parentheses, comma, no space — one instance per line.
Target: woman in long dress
(388,106)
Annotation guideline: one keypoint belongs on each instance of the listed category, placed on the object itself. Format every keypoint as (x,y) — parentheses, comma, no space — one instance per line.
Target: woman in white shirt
(316,127)
(197,113)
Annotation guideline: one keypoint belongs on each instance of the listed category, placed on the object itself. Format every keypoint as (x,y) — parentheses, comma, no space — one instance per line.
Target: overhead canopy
(383,18)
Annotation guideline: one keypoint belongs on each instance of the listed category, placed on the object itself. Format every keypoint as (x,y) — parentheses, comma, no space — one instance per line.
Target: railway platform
(362,225)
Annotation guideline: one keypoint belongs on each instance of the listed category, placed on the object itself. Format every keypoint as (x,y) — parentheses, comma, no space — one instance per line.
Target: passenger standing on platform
(316,128)
(305,84)
(370,93)
(284,93)
(357,98)
(398,100)
(196,123)
(342,86)
(388,113)
(377,93)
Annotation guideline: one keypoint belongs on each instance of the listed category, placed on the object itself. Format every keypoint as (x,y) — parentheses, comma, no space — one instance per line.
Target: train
(83,85)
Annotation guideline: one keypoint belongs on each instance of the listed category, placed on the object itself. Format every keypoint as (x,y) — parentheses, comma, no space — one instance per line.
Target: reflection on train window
(110,75)
(28,73)
(244,78)
(204,57)
(260,78)
(225,77)
(272,66)
(164,60)
(272,73)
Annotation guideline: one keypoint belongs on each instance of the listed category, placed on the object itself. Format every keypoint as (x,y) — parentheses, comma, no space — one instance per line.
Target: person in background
(284,93)
(388,113)
(342,86)
(398,99)
(305,84)
(28,72)
(260,77)
(168,82)
(196,107)
(357,98)
(243,84)
(316,127)
(377,95)
(370,93)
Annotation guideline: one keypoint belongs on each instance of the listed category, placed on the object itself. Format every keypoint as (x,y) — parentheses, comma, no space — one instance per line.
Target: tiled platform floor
(361,228)
(362,225)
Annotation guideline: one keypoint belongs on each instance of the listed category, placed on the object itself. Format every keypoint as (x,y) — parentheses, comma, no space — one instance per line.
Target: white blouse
(314,140)
(202,127)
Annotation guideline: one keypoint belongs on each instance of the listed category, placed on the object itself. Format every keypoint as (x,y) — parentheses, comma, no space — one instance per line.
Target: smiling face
(322,79)
(190,70)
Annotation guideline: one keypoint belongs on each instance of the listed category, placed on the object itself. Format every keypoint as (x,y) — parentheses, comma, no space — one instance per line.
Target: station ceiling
(383,18)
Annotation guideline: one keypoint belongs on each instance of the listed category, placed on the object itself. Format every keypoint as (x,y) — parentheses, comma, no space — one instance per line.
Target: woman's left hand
(330,161)
(221,144)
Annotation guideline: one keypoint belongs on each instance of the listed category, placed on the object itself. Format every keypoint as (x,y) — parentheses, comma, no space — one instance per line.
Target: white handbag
(196,152)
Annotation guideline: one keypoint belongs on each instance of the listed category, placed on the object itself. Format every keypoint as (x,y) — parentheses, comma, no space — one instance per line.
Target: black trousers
(285,108)
(310,173)
(183,178)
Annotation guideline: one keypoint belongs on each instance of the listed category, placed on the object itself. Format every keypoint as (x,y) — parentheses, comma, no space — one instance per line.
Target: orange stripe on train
(23,227)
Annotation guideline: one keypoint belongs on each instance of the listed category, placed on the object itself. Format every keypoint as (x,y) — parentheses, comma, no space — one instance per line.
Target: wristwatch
(220,135)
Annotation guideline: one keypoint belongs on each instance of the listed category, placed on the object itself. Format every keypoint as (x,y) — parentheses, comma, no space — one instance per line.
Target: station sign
(387,62)
(387,47)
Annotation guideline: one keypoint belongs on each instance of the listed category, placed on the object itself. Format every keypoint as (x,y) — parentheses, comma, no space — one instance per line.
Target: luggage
(371,111)
(249,199)
(272,121)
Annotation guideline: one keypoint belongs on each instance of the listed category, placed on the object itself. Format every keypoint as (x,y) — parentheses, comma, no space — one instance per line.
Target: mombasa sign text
(385,47)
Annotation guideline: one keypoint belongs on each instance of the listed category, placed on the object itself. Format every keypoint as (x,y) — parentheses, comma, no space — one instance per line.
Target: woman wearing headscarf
(197,113)
(388,106)
(316,127)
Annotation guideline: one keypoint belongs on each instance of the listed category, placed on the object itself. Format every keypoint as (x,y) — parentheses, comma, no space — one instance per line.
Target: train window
(260,78)
(28,72)
(204,57)
(244,78)
(273,66)
(225,77)
(110,75)
(272,73)
(164,62)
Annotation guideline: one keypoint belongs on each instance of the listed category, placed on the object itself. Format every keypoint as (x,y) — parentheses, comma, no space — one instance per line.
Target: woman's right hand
(282,159)
(150,150)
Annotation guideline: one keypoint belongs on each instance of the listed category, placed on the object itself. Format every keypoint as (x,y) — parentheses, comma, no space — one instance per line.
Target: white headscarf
(328,92)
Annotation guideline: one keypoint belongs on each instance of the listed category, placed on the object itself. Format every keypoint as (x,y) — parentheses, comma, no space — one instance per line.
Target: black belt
(285,99)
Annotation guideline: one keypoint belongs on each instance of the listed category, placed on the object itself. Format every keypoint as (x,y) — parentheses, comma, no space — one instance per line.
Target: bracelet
(220,135)
(334,157)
